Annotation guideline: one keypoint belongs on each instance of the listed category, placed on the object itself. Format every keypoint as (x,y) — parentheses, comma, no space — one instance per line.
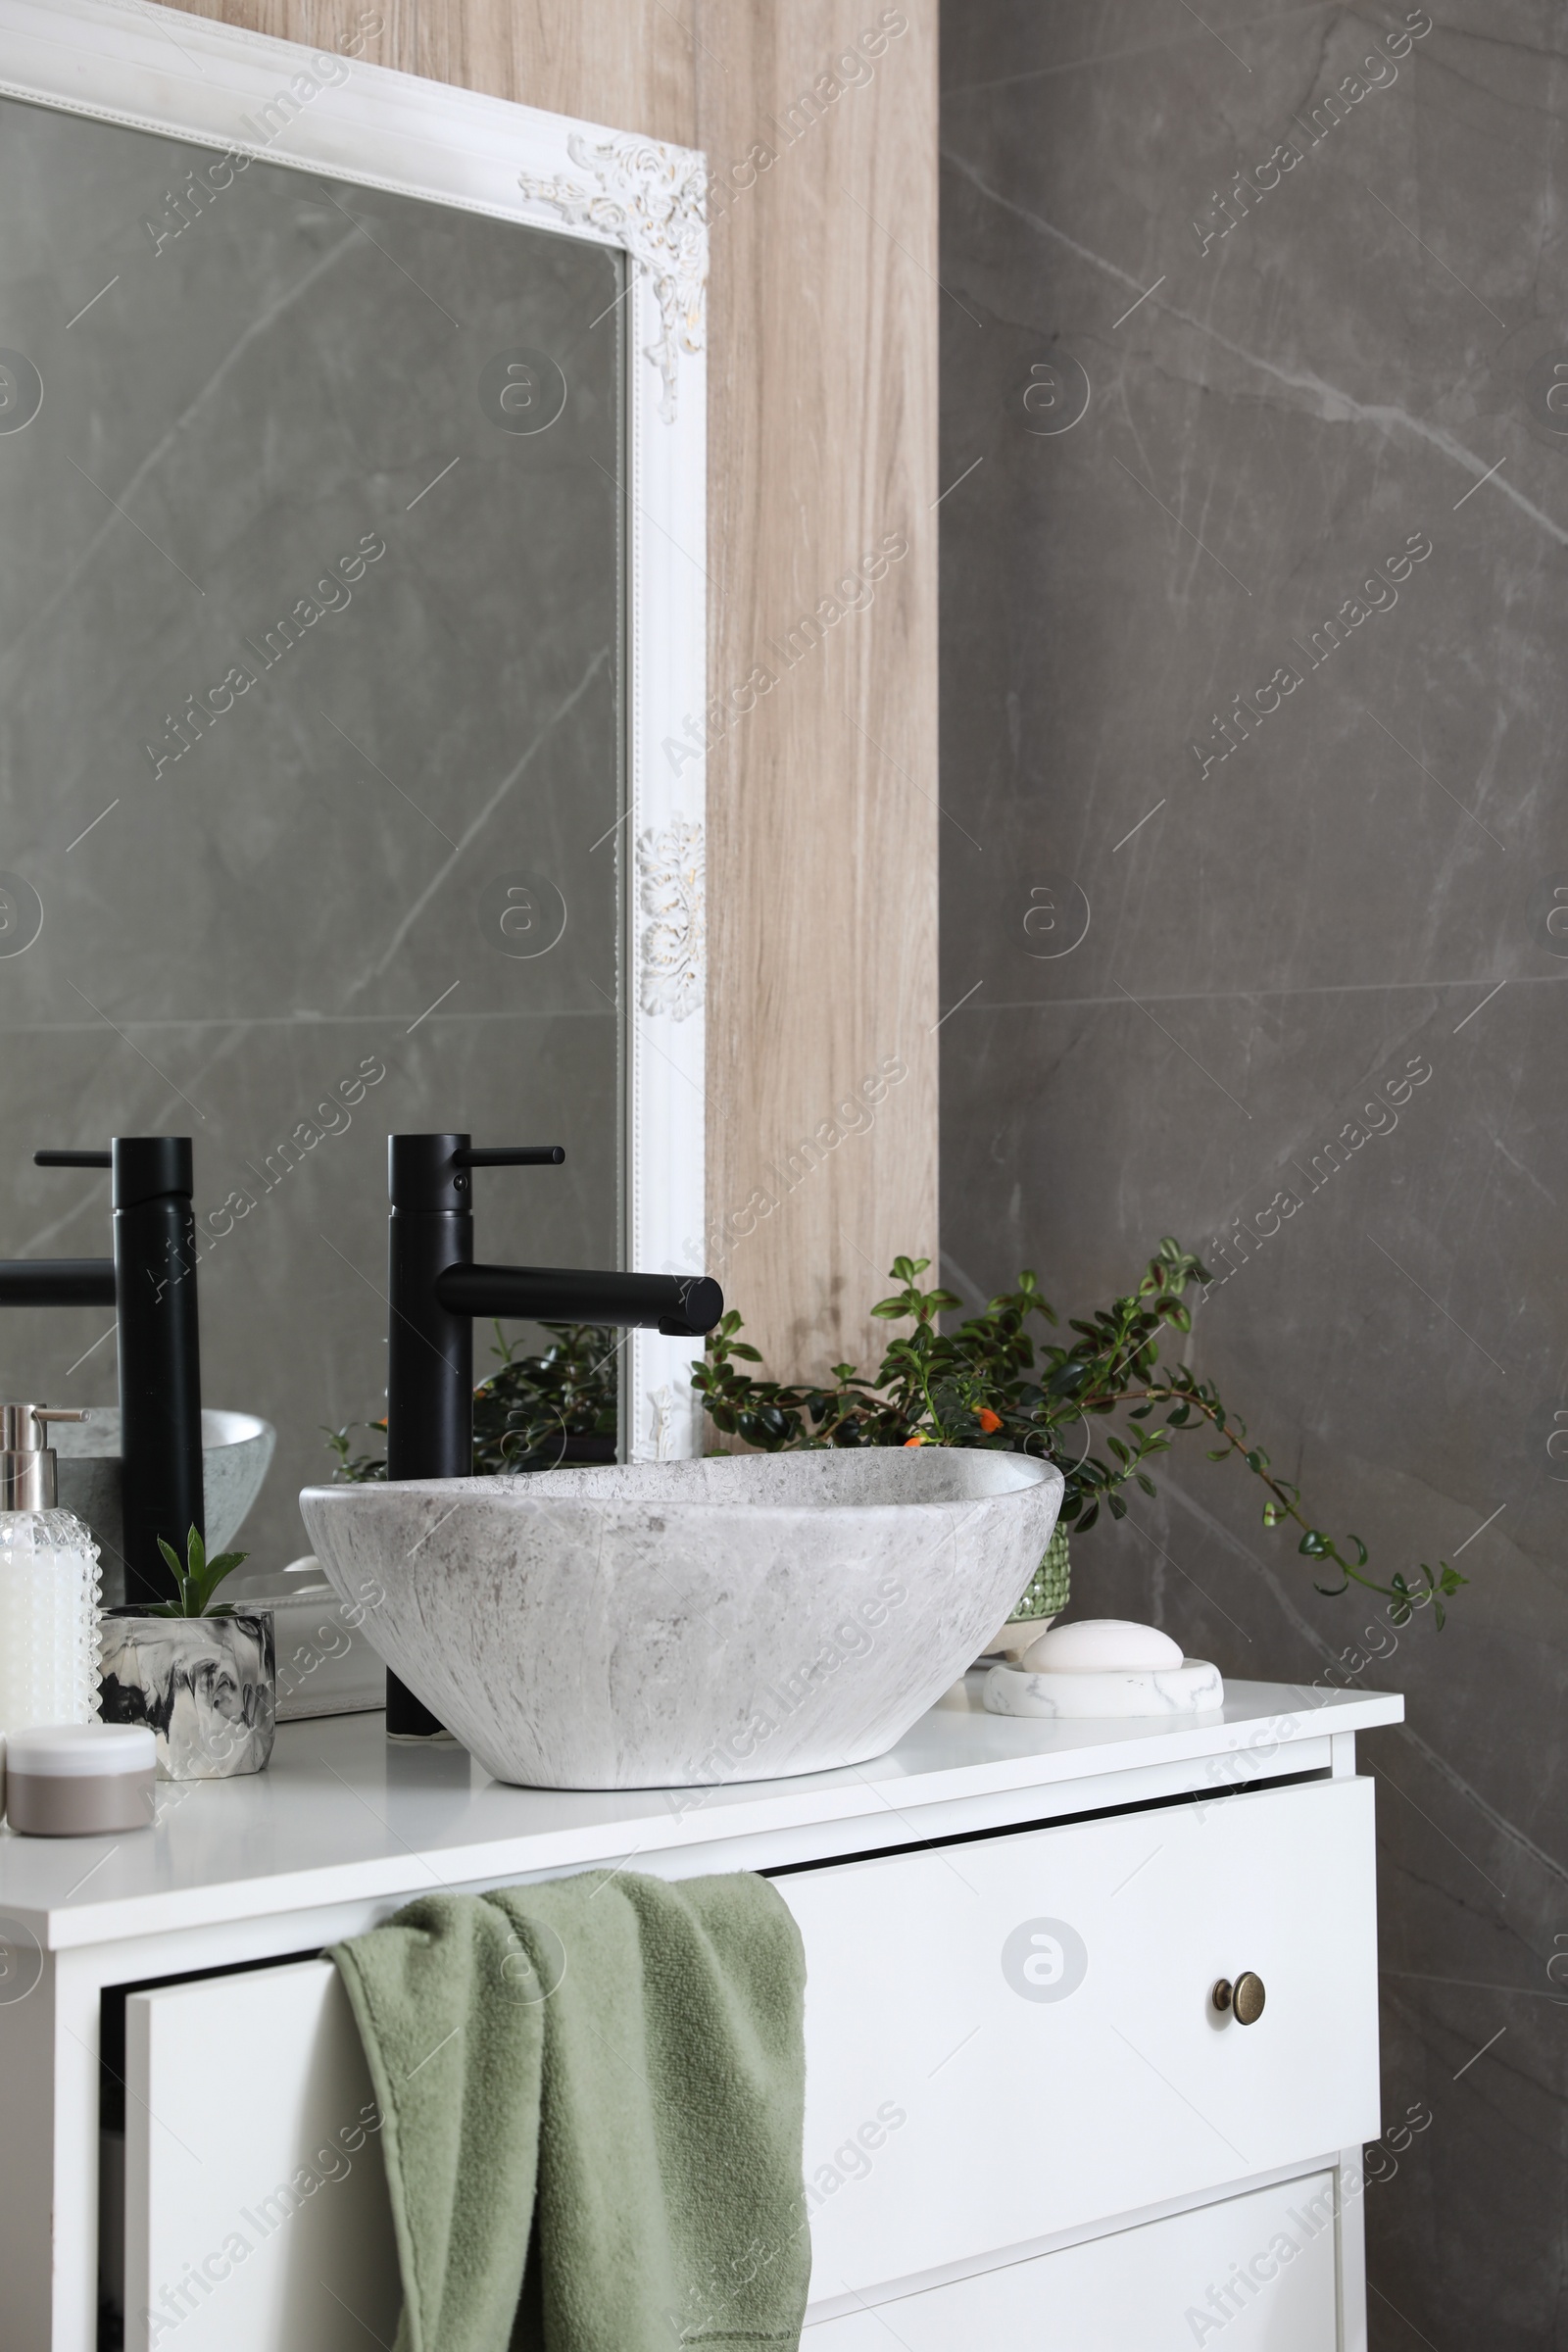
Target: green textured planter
(1050,1583)
(1045,1597)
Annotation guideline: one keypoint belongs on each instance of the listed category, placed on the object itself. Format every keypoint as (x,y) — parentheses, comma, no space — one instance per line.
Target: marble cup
(207,1687)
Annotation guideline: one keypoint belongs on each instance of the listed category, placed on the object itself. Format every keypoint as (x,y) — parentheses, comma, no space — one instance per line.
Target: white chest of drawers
(1026,2120)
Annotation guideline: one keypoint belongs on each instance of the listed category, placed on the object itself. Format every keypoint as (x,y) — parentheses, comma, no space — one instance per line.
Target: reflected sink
(236,1448)
(680,1624)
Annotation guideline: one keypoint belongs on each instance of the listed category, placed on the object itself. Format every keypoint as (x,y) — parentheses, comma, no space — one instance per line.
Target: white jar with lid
(81,1779)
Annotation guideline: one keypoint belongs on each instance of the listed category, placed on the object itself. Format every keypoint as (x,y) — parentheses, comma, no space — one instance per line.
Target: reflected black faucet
(150,1282)
(434,1292)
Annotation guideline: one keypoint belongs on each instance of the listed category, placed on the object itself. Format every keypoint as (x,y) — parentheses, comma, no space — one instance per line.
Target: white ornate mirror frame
(155,68)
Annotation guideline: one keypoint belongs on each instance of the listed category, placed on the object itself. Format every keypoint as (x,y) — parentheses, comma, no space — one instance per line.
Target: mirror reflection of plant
(535,1405)
(985,1385)
(196,1578)
(354,1469)
(528,1412)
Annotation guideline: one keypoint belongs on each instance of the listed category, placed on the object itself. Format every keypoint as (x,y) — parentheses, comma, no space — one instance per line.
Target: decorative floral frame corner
(160,70)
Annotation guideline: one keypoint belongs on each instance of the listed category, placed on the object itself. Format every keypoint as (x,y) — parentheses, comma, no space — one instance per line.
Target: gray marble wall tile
(1188,940)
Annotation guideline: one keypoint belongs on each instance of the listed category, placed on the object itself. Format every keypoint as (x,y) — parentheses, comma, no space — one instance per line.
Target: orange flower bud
(989,1420)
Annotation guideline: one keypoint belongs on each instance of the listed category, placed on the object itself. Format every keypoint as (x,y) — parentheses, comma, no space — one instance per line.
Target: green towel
(615,2065)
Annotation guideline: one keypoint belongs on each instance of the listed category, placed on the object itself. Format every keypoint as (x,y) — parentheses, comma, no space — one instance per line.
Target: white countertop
(342,1816)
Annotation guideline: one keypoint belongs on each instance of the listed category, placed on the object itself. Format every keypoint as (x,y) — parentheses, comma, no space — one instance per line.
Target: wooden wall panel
(822,819)
(821,811)
(622,61)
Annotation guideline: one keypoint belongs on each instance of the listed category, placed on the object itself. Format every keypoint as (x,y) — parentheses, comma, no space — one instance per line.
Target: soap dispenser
(50,1584)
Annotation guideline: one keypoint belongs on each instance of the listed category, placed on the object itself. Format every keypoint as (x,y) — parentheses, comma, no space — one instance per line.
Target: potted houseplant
(993,1382)
(201,1673)
(990,1384)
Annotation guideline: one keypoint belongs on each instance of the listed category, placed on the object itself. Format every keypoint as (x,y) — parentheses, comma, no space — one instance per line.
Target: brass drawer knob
(1245,1998)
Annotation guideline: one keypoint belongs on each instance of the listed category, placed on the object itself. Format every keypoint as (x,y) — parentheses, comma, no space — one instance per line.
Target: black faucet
(435,1290)
(150,1282)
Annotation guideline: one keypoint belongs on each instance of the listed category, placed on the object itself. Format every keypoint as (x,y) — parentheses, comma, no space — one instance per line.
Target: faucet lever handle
(49,1413)
(512,1156)
(73,1160)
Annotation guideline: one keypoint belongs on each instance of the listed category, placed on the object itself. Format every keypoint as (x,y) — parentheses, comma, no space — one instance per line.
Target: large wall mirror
(351,479)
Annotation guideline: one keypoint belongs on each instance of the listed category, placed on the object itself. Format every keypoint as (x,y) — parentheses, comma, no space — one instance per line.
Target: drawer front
(1014,2037)
(1005,2040)
(1167,2284)
(256,2217)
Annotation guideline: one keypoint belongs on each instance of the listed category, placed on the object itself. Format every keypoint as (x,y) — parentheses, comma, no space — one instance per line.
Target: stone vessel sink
(679,1623)
(236,1448)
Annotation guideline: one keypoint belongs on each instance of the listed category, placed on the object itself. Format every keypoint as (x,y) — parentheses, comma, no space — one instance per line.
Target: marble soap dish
(1104,1669)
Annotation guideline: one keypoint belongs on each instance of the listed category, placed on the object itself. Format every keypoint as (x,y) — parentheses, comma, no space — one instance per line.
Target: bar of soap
(1101,1645)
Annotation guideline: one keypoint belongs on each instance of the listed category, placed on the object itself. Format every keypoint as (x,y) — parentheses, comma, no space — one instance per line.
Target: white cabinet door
(1253,2274)
(1014,2037)
(256,2207)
